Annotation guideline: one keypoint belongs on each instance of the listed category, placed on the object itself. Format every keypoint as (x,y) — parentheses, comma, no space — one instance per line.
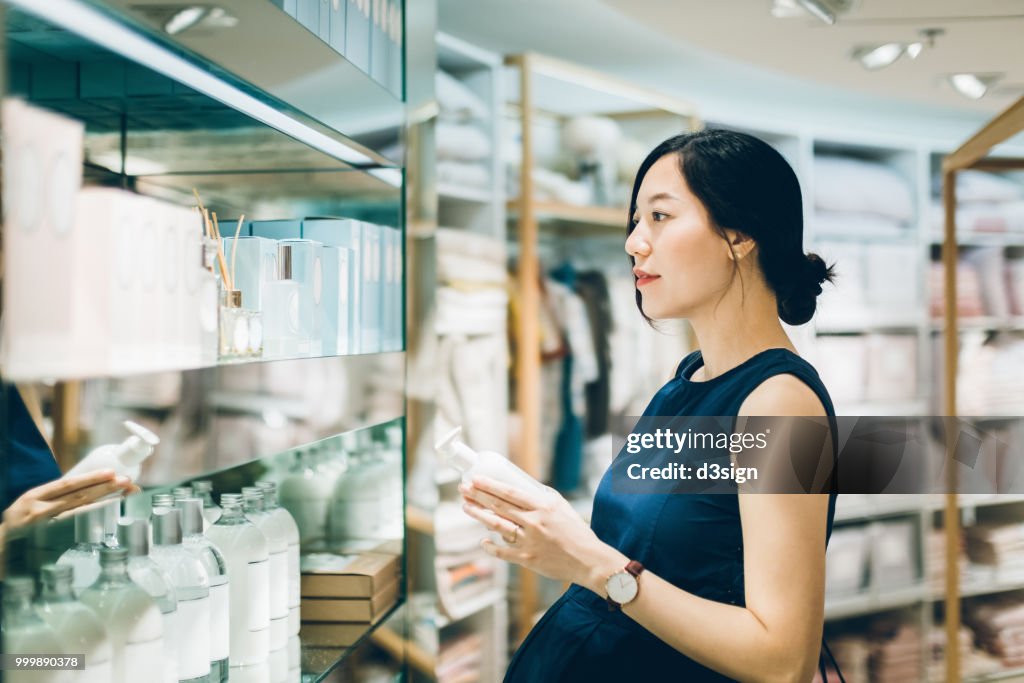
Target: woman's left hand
(544,533)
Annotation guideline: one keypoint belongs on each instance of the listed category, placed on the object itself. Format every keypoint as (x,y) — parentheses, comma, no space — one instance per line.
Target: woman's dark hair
(747,186)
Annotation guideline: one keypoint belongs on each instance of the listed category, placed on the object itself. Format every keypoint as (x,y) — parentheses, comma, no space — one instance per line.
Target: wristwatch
(622,587)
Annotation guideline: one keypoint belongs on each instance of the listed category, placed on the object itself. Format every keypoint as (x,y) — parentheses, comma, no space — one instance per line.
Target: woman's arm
(775,637)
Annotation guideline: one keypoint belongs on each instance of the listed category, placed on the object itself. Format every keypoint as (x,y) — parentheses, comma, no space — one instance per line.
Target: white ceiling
(980,36)
(734,59)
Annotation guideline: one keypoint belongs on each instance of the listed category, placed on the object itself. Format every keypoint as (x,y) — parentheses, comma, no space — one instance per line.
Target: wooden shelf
(470,195)
(570,214)
(405,650)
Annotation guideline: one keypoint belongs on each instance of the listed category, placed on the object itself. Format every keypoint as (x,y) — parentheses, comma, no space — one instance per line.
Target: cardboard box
(332,635)
(359,576)
(361,610)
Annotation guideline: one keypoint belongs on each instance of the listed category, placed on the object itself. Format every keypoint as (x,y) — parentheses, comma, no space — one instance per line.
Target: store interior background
(520,323)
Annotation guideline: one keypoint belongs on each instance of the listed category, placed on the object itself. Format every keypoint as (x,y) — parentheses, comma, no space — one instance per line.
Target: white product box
(347,234)
(42,172)
(369,338)
(380,49)
(357,33)
(197,306)
(308,272)
(335,301)
(336,38)
(397,36)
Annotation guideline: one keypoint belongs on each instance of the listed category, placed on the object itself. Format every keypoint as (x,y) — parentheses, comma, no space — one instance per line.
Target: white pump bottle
(125,457)
(470,463)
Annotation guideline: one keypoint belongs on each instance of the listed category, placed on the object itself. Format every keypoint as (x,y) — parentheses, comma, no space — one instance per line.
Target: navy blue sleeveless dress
(693,541)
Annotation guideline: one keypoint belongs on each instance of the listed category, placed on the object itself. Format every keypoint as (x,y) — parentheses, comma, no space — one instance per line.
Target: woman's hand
(544,533)
(67,493)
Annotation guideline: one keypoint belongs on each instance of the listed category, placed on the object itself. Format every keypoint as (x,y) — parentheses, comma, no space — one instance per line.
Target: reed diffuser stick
(234,246)
(225,275)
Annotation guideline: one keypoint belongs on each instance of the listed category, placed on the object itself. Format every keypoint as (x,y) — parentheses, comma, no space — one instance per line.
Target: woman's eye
(658,216)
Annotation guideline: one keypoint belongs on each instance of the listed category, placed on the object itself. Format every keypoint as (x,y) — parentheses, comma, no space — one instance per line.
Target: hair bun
(798,301)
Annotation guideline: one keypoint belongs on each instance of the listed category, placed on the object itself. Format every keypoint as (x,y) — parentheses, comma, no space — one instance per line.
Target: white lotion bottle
(217,569)
(247,553)
(25,633)
(133,536)
(291,531)
(192,591)
(84,556)
(133,619)
(78,628)
(125,457)
(472,463)
(277,541)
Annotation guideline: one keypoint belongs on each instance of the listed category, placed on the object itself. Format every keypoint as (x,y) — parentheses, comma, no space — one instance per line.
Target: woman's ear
(740,244)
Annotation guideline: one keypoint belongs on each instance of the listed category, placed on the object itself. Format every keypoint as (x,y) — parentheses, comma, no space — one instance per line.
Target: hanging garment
(694,541)
(593,290)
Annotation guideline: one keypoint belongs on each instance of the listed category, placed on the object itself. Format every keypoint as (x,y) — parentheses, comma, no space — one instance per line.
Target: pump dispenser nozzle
(139,445)
(456,453)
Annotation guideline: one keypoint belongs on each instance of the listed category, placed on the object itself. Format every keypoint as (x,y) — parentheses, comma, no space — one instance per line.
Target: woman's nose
(637,243)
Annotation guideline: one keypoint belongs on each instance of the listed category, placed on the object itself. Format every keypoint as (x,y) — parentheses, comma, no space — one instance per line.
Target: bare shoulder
(782,395)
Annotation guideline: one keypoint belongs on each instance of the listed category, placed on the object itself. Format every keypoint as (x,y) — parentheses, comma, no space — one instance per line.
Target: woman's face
(681,264)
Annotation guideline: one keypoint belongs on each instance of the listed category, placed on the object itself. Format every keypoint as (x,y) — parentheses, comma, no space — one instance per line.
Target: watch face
(622,587)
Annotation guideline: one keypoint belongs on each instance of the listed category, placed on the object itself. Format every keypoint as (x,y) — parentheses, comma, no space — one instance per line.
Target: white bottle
(84,556)
(217,569)
(78,628)
(306,494)
(247,553)
(211,512)
(133,620)
(133,536)
(355,505)
(25,633)
(192,591)
(277,541)
(125,457)
(471,463)
(287,312)
(292,533)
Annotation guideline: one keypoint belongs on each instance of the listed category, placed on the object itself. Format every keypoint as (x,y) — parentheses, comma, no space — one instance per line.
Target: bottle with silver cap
(25,633)
(277,542)
(83,557)
(133,620)
(287,313)
(133,536)
(204,491)
(291,530)
(192,591)
(78,628)
(217,569)
(248,557)
(179,492)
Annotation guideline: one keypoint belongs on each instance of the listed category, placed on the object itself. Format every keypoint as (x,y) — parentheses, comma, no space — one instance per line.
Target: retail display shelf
(318,662)
(464,194)
(868,233)
(862,324)
(570,214)
(418,519)
(988,500)
(981,585)
(403,649)
(870,508)
(913,407)
(984,239)
(984,323)
(1004,675)
(843,607)
(472,606)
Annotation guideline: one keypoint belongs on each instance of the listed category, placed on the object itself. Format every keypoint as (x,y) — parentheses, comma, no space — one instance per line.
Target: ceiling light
(878,56)
(184,19)
(972,85)
(914,49)
(819,9)
(827,11)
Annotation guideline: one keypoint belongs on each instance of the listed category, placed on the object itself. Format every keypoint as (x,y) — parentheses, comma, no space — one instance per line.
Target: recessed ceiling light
(878,56)
(974,85)
(826,10)
(185,18)
(914,49)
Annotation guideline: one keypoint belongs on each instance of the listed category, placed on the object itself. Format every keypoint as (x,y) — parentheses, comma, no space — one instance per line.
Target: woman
(693,587)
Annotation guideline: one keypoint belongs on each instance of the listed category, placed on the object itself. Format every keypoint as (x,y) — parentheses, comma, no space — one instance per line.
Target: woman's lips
(642,280)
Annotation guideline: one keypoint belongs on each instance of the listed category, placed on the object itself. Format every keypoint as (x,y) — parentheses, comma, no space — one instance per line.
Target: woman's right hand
(61,495)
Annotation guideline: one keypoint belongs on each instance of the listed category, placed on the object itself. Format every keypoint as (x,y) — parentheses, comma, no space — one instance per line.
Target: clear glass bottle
(248,556)
(291,529)
(277,541)
(217,569)
(181,492)
(241,329)
(133,619)
(209,304)
(287,312)
(78,628)
(83,557)
(133,536)
(24,632)
(306,494)
(211,511)
(192,591)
